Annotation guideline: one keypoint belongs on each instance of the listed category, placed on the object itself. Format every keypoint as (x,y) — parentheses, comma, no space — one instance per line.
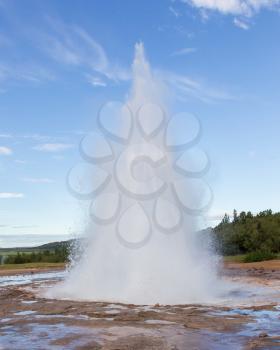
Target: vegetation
(257,236)
(259,256)
(58,254)
(244,237)
(39,265)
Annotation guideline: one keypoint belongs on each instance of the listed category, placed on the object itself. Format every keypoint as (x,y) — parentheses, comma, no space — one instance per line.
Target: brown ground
(31,322)
(264,272)
(265,265)
(23,271)
(272,266)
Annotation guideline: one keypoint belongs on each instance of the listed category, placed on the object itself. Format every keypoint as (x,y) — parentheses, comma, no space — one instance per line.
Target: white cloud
(11,195)
(5,151)
(44,180)
(223,6)
(68,45)
(184,51)
(234,7)
(241,24)
(239,8)
(96,81)
(53,147)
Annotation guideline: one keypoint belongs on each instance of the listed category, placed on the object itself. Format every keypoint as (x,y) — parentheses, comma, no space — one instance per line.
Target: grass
(259,256)
(37,265)
(234,258)
(245,258)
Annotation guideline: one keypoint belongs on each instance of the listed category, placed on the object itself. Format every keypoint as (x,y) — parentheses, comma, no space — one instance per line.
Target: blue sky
(60,60)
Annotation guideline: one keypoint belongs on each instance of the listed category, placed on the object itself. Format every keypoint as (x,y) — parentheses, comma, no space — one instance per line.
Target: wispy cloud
(12,72)
(241,24)
(20,161)
(42,180)
(53,147)
(74,46)
(96,81)
(184,51)
(6,136)
(11,195)
(174,11)
(33,137)
(5,151)
(17,227)
(186,88)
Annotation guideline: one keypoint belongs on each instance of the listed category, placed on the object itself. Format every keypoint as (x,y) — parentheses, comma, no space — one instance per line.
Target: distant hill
(48,246)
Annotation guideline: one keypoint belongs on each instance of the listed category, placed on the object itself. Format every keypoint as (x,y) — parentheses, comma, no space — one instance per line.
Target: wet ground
(248,321)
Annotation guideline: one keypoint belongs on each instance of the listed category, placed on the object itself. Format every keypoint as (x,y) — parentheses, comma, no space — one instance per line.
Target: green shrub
(259,256)
(247,233)
(56,256)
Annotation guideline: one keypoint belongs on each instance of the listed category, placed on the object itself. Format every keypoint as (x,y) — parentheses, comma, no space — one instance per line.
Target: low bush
(259,256)
(55,256)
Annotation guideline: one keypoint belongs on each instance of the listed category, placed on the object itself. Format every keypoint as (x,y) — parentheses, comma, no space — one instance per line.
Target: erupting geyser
(145,192)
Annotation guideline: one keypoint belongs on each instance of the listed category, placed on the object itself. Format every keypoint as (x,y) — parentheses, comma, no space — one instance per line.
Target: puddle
(16,280)
(263,321)
(159,322)
(24,313)
(5,320)
(46,336)
(28,302)
(112,312)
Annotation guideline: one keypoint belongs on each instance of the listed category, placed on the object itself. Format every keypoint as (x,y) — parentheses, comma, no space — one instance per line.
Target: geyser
(145,188)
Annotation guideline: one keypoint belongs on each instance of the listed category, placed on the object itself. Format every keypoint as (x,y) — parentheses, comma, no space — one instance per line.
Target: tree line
(55,256)
(245,233)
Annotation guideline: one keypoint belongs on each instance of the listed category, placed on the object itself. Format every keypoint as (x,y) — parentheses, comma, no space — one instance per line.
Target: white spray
(142,246)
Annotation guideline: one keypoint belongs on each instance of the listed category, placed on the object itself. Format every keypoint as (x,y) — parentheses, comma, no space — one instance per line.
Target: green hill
(48,246)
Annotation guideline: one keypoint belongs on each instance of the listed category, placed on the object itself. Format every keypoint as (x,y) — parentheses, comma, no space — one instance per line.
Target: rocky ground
(28,321)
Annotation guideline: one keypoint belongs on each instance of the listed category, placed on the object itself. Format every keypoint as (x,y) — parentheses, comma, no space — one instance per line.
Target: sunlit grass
(37,265)
(240,258)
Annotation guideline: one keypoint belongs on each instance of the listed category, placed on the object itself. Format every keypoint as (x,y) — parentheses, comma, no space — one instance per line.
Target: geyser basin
(143,179)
